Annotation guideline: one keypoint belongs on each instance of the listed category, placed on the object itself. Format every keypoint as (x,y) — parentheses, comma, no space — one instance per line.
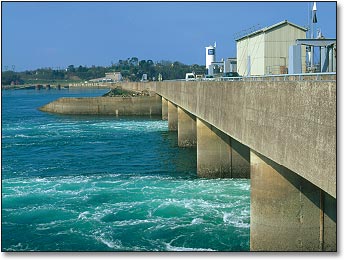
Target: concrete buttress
(164,109)
(187,129)
(213,152)
(172,117)
(240,159)
(288,213)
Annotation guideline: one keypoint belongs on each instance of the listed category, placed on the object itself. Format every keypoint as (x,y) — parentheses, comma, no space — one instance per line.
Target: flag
(315,17)
(315,20)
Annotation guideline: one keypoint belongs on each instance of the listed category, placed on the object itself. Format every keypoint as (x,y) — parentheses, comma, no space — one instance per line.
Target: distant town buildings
(109,77)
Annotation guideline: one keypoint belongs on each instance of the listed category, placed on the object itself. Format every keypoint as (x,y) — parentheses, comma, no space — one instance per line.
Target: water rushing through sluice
(81,183)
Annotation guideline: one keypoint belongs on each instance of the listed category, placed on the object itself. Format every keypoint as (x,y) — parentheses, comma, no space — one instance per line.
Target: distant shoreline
(35,86)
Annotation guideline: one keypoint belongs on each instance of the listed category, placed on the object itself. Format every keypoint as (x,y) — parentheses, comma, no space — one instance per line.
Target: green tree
(71,68)
(10,77)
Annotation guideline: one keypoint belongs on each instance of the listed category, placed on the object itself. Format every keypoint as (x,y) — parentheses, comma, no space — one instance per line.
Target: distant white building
(230,65)
(115,76)
(109,77)
(266,51)
(223,66)
(210,57)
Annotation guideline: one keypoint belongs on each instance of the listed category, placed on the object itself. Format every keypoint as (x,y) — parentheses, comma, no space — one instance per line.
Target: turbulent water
(82,183)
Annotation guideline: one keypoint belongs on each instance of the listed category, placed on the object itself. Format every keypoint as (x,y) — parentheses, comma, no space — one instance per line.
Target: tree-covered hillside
(131,69)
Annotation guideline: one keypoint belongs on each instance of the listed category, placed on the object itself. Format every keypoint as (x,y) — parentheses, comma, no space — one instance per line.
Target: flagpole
(309,20)
(314,21)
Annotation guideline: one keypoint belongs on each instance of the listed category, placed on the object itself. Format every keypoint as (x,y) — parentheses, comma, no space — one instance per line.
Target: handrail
(284,77)
(297,76)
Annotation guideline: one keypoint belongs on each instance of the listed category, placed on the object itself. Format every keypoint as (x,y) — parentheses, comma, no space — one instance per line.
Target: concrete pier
(172,117)
(118,106)
(288,213)
(164,109)
(240,158)
(187,129)
(213,152)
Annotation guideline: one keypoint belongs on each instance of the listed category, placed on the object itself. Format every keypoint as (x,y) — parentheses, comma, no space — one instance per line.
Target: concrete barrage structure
(278,131)
(281,134)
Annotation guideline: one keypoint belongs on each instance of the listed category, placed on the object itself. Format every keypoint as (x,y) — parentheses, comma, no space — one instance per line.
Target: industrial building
(210,57)
(266,51)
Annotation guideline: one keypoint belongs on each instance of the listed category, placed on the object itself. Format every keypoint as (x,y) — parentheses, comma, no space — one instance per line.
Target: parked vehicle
(209,77)
(199,77)
(190,76)
(231,74)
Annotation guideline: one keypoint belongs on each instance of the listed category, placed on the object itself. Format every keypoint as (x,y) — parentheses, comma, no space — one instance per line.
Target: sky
(58,34)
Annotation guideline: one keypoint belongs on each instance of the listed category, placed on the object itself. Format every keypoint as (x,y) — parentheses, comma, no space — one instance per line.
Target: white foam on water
(83,215)
(234,220)
(134,126)
(134,222)
(22,136)
(17,128)
(169,247)
(196,221)
(19,247)
(53,224)
(113,244)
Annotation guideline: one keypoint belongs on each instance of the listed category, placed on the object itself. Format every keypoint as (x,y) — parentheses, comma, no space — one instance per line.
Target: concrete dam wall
(282,133)
(118,106)
(293,123)
(279,132)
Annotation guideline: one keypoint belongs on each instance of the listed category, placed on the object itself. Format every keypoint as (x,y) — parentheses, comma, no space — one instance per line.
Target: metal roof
(316,42)
(266,29)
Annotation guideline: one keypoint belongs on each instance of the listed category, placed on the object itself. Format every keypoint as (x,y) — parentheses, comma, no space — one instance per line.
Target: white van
(190,76)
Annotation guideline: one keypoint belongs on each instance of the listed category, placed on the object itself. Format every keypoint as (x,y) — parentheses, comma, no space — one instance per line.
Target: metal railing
(324,76)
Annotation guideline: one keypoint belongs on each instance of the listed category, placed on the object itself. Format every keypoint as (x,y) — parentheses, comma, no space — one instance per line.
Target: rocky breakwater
(116,102)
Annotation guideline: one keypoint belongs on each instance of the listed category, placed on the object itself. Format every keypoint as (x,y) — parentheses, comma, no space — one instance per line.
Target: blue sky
(58,34)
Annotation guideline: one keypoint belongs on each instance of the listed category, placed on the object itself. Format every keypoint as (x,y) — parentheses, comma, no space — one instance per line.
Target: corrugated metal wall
(268,51)
(242,57)
(277,42)
(253,47)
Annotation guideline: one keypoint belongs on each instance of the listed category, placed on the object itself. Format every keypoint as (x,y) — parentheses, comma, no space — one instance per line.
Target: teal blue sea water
(88,183)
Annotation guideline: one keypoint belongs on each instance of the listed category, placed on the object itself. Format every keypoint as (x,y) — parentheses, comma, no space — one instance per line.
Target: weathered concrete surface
(187,129)
(219,155)
(288,213)
(291,122)
(164,109)
(172,117)
(330,223)
(240,157)
(128,106)
(290,127)
(213,152)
